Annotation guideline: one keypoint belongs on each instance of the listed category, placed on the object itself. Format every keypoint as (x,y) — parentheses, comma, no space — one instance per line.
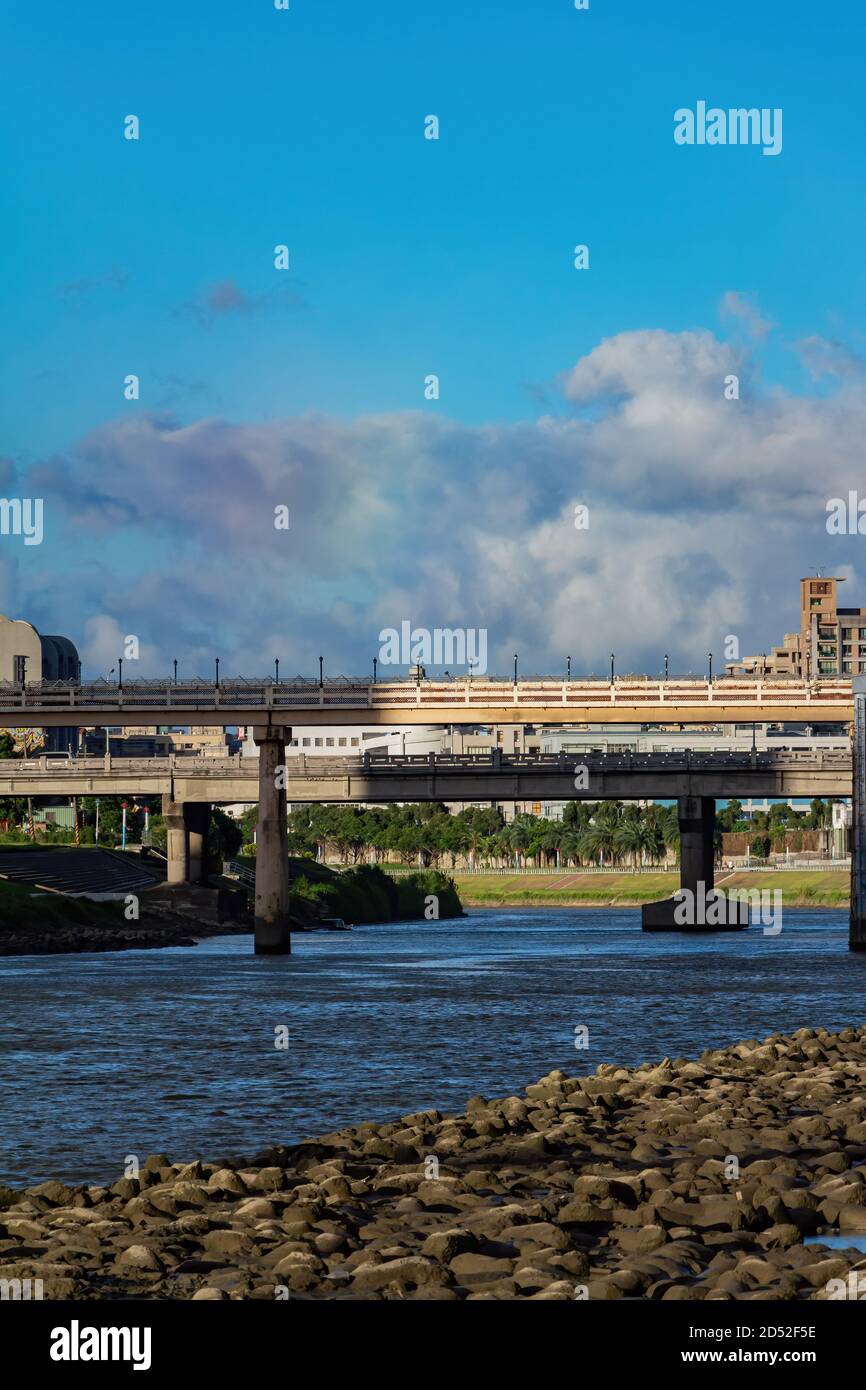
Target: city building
(831,640)
(159,741)
(724,738)
(26,655)
(125,743)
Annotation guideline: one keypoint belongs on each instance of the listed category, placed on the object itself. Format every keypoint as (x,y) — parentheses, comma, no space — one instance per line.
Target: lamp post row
(376,667)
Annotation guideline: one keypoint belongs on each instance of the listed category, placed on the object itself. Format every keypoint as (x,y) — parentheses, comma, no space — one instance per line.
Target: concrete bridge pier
(697,820)
(196,816)
(857,920)
(176,841)
(272,934)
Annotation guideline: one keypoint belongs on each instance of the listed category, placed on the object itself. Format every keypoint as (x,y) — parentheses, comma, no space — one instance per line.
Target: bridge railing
(267,696)
(441,764)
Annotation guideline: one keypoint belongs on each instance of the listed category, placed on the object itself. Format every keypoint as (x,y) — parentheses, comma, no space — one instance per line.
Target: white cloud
(704,513)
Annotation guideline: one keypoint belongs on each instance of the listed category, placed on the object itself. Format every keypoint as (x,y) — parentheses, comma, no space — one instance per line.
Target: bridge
(272,706)
(496,776)
(347,700)
(190,785)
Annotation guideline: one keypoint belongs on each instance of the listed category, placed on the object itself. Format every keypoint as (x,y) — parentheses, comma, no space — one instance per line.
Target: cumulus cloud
(103,641)
(704,513)
(828,357)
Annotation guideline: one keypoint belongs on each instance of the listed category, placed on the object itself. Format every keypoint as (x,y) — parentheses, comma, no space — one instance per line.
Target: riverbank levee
(799,888)
(672,1180)
(34,921)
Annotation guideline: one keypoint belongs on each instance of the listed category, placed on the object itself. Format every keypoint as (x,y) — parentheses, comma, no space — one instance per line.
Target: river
(137,1052)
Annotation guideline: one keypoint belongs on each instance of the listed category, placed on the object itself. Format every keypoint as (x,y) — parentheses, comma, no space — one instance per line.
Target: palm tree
(599,841)
(671,833)
(518,838)
(630,838)
(551,841)
(654,832)
(569,847)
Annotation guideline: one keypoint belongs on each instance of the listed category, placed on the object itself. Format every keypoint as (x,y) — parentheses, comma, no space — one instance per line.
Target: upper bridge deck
(345,700)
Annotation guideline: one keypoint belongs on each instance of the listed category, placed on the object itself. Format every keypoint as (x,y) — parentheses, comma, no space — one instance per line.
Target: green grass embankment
(366,894)
(23,906)
(806,888)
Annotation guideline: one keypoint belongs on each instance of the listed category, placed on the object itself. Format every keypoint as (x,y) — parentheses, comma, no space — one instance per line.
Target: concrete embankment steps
(77,872)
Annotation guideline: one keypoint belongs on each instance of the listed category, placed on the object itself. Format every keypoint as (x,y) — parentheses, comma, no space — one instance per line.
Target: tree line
(589,834)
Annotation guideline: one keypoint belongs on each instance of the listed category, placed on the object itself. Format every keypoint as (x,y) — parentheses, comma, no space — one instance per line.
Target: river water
(137,1052)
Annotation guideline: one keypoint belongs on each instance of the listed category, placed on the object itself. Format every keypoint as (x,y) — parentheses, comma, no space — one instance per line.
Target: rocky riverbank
(77,938)
(54,924)
(673,1180)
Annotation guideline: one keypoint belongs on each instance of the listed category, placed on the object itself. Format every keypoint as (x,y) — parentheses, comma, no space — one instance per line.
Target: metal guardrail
(243,870)
(565,871)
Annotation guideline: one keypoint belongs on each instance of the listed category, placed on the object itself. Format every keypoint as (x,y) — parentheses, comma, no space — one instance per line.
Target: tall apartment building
(831,640)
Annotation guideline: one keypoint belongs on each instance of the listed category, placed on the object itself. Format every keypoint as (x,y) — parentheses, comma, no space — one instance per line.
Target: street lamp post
(321,677)
(710,668)
(612,668)
(515,668)
(568,668)
(666,665)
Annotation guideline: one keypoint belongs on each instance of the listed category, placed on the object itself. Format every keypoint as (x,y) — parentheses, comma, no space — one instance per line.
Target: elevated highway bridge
(444,777)
(626,700)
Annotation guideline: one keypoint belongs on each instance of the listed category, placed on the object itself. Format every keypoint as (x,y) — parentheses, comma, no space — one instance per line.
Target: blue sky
(411,257)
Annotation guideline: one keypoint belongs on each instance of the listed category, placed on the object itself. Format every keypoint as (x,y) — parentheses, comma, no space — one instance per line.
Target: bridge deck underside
(442,785)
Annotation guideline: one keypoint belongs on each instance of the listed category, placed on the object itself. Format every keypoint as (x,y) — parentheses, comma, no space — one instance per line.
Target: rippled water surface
(173,1051)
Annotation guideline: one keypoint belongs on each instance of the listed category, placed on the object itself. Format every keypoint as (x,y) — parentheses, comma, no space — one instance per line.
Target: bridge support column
(697,820)
(857,921)
(196,816)
(272,934)
(176,841)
